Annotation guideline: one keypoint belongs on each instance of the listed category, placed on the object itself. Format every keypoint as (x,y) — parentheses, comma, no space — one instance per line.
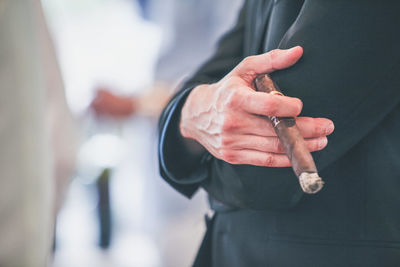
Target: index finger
(266,63)
(264,104)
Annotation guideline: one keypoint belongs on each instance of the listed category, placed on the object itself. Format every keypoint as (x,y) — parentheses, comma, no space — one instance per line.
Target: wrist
(187,121)
(188,111)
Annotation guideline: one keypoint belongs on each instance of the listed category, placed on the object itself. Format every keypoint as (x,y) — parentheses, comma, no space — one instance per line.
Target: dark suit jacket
(349,73)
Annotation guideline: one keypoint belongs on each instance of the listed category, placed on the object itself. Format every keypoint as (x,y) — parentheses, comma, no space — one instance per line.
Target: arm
(180,166)
(190,169)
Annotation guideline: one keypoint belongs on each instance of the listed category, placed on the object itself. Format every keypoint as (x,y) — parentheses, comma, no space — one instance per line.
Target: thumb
(276,59)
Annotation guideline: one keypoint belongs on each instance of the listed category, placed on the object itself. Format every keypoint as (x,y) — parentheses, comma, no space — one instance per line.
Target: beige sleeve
(62,126)
(27,105)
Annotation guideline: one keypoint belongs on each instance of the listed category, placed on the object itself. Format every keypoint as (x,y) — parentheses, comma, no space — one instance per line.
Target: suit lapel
(259,13)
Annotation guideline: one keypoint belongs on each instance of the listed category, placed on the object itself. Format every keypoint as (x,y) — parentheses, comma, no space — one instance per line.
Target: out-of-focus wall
(35,160)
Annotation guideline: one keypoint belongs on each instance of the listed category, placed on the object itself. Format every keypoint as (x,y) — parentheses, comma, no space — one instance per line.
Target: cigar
(292,141)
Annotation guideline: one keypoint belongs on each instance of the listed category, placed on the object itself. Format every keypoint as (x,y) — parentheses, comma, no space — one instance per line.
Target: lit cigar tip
(311,183)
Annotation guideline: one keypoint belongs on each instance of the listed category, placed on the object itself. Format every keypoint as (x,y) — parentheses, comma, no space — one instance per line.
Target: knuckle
(269,160)
(245,68)
(270,106)
(234,99)
(305,124)
(247,61)
(228,156)
(319,130)
(226,141)
(229,83)
(273,54)
(276,144)
(317,144)
(313,145)
(229,123)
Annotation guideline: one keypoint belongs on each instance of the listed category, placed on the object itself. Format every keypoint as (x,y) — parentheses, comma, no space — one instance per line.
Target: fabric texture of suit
(349,73)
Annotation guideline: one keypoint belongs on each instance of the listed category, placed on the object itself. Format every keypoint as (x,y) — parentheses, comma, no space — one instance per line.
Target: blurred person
(108,104)
(215,134)
(36,136)
(190,30)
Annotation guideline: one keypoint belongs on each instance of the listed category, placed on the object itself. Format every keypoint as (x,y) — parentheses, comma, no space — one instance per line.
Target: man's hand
(105,103)
(228,118)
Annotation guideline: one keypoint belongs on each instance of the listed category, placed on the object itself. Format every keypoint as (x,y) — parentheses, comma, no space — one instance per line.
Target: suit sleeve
(182,170)
(342,77)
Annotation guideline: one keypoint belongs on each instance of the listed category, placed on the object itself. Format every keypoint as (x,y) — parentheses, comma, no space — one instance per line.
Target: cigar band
(275,120)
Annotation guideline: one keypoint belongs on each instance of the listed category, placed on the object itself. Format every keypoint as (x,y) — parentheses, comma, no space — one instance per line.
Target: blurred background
(116,63)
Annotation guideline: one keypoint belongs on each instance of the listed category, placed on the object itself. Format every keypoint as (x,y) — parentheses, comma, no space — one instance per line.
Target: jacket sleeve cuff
(178,165)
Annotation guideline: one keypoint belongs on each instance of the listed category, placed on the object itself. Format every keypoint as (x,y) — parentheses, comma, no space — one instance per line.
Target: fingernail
(329,129)
(294,47)
(322,142)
